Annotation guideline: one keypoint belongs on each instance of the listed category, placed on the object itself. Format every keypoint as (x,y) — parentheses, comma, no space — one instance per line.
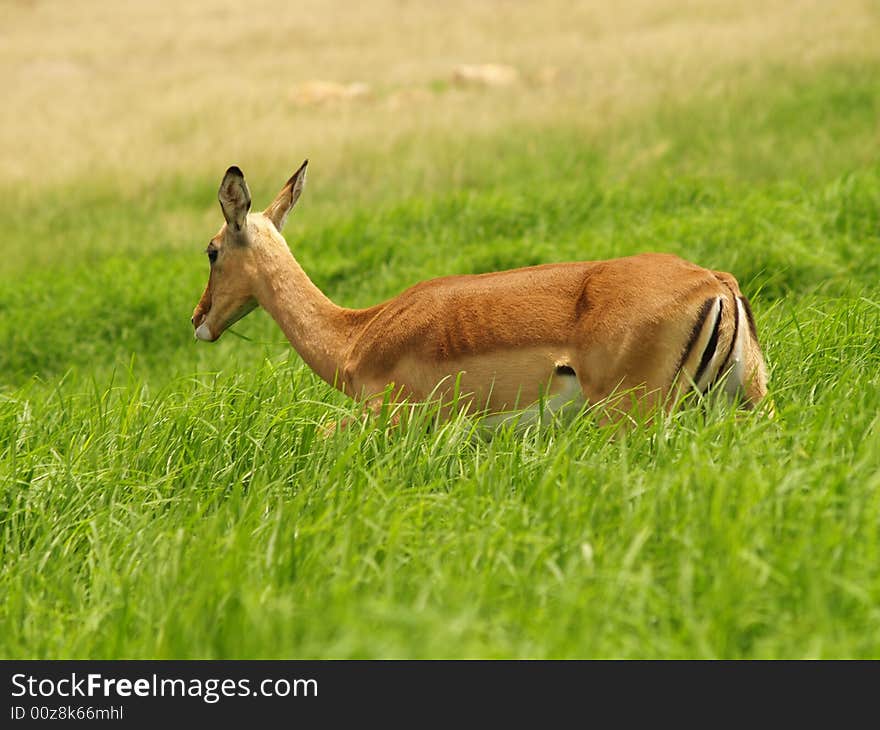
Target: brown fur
(639,324)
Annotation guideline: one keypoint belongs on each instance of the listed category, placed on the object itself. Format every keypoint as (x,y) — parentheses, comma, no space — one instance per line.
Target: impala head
(240,251)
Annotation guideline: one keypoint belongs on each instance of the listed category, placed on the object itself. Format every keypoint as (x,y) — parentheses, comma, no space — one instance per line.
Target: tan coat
(640,330)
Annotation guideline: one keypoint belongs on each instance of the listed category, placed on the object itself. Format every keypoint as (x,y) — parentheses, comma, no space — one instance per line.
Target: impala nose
(203,333)
(201,329)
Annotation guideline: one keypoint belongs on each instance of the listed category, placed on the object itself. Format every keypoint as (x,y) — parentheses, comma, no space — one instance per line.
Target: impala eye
(212,255)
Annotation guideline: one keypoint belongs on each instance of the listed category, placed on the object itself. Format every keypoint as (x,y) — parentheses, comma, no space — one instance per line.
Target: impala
(632,332)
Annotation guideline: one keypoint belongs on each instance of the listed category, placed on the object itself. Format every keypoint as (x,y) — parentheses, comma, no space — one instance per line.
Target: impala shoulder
(375,337)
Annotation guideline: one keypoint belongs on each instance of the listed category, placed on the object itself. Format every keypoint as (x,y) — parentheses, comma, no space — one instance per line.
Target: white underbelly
(562,405)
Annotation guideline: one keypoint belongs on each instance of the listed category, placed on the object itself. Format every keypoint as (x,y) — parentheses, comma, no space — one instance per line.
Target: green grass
(160,498)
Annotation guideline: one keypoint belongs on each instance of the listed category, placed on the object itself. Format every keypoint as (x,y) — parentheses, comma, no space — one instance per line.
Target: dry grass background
(129,91)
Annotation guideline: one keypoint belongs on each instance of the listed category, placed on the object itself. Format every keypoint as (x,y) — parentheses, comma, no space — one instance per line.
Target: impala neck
(319,330)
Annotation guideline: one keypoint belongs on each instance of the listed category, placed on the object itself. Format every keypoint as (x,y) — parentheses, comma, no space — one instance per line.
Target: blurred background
(133,91)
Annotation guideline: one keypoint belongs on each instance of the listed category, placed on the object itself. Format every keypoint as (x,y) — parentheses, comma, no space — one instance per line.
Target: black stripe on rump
(711,345)
(695,332)
(750,317)
(726,364)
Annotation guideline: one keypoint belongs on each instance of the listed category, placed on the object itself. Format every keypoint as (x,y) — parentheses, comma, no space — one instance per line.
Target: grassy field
(161,498)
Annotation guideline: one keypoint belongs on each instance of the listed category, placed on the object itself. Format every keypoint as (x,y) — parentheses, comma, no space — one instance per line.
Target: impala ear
(235,198)
(279,209)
